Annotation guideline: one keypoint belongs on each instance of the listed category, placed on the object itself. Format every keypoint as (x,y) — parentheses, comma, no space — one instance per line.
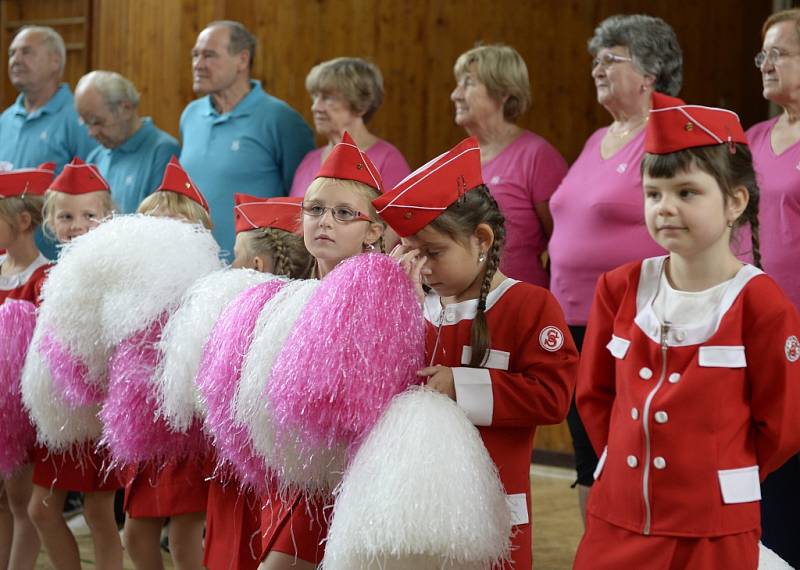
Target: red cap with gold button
(35,181)
(347,162)
(427,192)
(677,127)
(79,178)
(251,212)
(177,180)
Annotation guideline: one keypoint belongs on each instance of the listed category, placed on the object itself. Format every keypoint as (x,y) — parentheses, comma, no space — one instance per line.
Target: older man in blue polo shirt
(237,138)
(42,125)
(133,152)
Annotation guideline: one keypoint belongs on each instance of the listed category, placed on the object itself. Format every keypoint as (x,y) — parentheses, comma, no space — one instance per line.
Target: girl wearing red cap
(268,240)
(22,271)
(177,490)
(497,346)
(75,202)
(339,221)
(688,381)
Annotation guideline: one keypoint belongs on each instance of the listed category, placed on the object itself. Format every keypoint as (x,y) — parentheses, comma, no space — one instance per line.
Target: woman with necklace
(598,210)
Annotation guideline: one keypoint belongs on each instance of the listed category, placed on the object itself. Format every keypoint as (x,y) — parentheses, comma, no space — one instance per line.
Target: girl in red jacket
(688,384)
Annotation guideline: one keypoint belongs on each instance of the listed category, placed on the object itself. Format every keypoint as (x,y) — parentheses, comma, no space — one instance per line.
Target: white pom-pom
(118,278)
(768,560)
(58,425)
(422,492)
(185,335)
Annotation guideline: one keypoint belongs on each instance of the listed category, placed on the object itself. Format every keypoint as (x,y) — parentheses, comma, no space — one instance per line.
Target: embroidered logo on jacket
(551,338)
(792,349)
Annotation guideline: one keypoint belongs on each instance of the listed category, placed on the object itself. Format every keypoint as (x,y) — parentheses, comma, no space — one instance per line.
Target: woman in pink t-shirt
(775,145)
(598,210)
(345,93)
(520,168)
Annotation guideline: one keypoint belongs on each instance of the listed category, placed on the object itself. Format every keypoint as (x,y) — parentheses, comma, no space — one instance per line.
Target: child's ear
(485,236)
(25,222)
(737,203)
(258,264)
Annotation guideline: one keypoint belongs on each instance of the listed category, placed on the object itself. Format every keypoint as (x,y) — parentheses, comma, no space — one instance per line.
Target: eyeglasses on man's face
(773,55)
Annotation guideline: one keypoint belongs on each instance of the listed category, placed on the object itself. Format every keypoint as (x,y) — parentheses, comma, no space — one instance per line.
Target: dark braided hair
(459,221)
(731,167)
(289,254)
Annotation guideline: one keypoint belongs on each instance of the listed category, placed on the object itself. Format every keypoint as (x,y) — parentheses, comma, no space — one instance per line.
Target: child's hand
(440,378)
(412,263)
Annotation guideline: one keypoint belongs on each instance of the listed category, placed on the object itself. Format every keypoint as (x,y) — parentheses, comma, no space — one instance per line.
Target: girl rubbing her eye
(499,347)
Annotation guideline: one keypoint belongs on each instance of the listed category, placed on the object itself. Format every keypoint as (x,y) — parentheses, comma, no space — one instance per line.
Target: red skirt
(233,527)
(177,488)
(605,546)
(297,528)
(82,469)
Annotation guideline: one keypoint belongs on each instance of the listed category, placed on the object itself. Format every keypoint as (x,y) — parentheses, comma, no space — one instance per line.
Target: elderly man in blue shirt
(237,137)
(133,152)
(42,125)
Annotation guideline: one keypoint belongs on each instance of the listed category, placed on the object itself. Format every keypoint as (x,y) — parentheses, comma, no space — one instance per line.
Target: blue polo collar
(242,108)
(60,98)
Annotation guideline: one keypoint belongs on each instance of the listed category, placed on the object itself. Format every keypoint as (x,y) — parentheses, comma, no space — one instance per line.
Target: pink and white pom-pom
(184,337)
(17,435)
(218,380)
(429,490)
(358,343)
(72,380)
(59,426)
(253,410)
(132,430)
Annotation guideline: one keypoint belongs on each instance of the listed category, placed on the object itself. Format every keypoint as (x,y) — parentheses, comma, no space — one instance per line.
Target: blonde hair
(174,204)
(504,73)
(49,209)
(359,188)
(358,81)
(12,208)
(288,251)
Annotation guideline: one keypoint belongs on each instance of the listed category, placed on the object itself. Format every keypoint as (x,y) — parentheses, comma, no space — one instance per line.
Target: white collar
(465,310)
(686,335)
(9,282)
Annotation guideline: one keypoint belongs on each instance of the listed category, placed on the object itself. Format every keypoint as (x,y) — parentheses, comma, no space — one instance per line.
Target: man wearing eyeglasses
(133,152)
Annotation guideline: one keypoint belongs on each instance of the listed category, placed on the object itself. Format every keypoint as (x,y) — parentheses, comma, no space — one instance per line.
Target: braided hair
(459,221)
(730,166)
(289,254)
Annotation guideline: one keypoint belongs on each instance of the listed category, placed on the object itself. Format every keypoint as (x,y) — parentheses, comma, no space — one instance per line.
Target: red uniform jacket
(527,380)
(26,286)
(686,419)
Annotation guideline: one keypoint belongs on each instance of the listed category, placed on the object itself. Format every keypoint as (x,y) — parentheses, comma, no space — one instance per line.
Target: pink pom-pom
(218,379)
(132,429)
(17,434)
(359,342)
(70,375)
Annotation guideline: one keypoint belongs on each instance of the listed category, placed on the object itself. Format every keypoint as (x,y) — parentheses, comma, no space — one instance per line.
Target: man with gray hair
(133,152)
(236,137)
(42,125)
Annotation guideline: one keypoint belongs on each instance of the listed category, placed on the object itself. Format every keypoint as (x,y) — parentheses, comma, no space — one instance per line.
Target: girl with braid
(499,347)
(269,240)
(688,379)
(269,236)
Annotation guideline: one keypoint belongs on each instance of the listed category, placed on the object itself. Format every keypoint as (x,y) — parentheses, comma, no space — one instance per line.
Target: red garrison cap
(176,180)
(428,191)
(347,162)
(79,178)
(251,212)
(675,126)
(34,181)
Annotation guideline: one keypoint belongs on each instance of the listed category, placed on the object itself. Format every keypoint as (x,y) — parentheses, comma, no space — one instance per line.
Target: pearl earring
(481,258)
